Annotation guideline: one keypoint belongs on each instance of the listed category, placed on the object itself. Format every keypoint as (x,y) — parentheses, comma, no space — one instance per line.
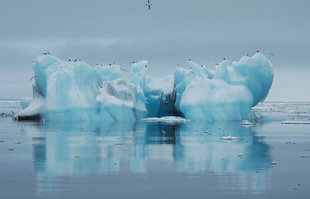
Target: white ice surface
(167,119)
(295,122)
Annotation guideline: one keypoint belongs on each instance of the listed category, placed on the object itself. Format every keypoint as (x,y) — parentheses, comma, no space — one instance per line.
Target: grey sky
(174,30)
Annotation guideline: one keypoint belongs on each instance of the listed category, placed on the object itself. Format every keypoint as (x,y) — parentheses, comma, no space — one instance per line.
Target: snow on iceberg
(76,91)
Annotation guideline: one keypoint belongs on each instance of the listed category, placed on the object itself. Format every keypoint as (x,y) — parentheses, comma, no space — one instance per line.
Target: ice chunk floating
(229,94)
(167,119)
(74,90)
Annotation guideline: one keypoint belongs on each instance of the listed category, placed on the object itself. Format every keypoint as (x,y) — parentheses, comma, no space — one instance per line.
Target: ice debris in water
(246,123)
(166,119)
(77,91)
(231,138)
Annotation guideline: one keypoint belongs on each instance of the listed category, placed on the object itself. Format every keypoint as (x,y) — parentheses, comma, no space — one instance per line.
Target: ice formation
(228,94)
(74,90)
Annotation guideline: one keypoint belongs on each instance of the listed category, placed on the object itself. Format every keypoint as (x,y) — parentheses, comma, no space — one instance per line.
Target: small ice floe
(167,119)
(273,163)
(163,132)
(17,142)
(246,123)
(296,122)
(230,138)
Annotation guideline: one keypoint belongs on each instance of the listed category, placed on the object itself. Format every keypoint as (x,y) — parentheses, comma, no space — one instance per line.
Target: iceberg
(227,94)
(74,90)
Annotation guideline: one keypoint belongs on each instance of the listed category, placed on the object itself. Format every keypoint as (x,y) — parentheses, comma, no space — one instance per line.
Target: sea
(265,158)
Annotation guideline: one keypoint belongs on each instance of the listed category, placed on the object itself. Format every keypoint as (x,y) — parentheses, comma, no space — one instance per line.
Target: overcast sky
(167,35)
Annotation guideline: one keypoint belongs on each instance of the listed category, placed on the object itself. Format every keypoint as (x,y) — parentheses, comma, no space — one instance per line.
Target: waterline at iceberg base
(76,91)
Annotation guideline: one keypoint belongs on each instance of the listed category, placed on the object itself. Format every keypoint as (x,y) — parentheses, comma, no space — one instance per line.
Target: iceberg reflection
(193,148)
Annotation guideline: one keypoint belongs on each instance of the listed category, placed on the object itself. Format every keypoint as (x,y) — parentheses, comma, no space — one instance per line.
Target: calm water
(157,160)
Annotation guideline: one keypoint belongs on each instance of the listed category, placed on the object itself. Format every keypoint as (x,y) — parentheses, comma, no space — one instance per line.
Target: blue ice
(74,90)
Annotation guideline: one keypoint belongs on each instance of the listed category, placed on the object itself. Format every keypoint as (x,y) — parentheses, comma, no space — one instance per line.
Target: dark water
(154,160)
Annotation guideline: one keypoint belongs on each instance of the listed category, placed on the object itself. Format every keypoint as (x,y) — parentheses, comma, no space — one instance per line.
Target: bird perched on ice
(46,53)
(33,77)
(165,101)
(148,4)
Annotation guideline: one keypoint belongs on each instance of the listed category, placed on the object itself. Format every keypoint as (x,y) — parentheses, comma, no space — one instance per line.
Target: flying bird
(148,4)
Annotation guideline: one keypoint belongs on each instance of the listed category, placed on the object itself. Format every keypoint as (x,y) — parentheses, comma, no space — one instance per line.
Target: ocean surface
(158,159)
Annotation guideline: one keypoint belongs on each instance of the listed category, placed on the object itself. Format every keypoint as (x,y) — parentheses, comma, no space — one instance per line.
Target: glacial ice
(74,90)
(25,101)
(229,94)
